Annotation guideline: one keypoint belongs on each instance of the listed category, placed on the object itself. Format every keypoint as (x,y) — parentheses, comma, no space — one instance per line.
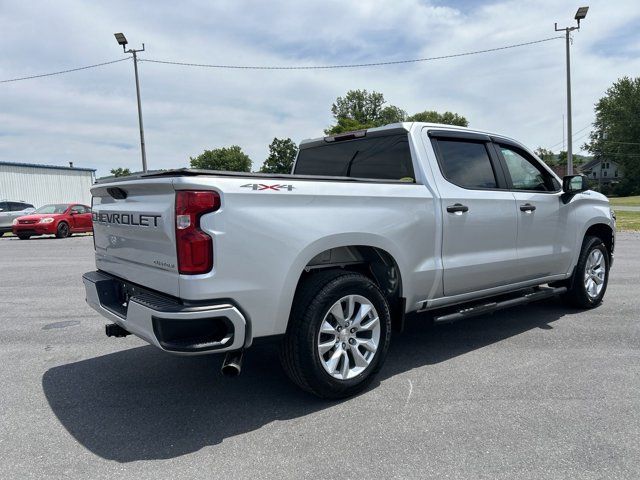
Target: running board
(472,311)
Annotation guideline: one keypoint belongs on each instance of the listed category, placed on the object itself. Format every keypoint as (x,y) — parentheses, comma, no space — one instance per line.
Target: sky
(90,117)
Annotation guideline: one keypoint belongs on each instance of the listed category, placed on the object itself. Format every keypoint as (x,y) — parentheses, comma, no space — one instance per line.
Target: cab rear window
(384,158)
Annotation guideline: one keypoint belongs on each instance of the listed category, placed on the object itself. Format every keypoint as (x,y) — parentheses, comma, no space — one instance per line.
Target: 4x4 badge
(261,186)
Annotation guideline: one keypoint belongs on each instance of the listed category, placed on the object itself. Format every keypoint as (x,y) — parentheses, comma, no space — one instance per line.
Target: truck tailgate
(134,232)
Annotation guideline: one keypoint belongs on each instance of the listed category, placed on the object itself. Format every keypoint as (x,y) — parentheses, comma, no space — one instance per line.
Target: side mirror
(572,184)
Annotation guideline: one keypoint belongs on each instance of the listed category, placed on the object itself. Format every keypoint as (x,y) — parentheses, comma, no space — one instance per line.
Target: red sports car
(60,219)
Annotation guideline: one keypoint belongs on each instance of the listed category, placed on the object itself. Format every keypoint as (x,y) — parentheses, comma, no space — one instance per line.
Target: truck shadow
(142,404)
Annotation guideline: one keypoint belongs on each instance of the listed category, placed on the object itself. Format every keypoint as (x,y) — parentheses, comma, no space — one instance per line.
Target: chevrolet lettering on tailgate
(138,220)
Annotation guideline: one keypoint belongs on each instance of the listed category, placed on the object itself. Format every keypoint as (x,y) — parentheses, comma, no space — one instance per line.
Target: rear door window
(384,158)
(18,207)
(466,163)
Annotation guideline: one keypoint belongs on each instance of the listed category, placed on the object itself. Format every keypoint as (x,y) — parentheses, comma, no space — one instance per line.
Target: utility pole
(580,15)
(122,40)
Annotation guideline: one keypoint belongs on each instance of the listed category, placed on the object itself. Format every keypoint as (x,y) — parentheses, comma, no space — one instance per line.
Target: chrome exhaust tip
(232,363)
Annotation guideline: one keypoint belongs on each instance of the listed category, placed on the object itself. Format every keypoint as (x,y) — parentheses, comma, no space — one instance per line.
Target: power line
(621,154)
(64,71)
(622,143)
(572,136)
(353,65)
(294,67)
(582,136)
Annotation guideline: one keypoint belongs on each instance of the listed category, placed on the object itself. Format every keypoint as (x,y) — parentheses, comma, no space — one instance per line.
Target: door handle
(457,208)
(527,207)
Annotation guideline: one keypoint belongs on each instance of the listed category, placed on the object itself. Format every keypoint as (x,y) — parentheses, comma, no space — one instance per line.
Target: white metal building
(43,184)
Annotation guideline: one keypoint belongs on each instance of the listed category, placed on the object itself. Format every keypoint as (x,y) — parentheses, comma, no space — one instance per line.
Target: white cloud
(90,117)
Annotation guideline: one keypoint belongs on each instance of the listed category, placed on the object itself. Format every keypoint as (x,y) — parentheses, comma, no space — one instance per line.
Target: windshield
(50,209)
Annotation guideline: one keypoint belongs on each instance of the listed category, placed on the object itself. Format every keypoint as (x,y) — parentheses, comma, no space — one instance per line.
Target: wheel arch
(599,224)
(371,255)
(605,233)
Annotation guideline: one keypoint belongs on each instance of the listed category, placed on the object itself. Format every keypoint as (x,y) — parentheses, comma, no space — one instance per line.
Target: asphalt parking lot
(531,393)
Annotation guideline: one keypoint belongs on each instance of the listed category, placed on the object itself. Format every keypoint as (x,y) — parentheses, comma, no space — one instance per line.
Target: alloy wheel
(594,274)
(349,337)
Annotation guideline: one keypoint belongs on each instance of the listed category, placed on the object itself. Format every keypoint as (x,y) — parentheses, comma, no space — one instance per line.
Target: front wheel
(23,236)
(63,230)
(591,276)
(338,334)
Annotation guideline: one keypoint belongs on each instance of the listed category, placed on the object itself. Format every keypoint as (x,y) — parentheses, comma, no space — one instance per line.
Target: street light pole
(580,15)
(135,68)
(569,118)
(123,41)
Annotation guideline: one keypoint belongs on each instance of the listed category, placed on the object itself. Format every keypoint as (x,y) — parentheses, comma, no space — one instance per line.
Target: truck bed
(194,172)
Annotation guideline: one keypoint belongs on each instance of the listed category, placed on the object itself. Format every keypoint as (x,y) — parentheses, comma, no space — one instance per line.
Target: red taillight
(194,247)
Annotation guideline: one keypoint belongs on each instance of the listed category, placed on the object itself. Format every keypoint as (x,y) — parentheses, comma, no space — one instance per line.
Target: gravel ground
(529,393)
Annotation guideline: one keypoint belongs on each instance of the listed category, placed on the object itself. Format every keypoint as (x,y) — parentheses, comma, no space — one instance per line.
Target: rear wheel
(338,334)
(63,230)
(591,276)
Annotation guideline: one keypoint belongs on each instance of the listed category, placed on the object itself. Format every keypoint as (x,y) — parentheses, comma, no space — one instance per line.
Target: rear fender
(312,250)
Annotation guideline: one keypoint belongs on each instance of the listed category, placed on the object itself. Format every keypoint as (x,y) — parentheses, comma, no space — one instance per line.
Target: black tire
(63,230)
(299,355)
(24,236)
(577,295)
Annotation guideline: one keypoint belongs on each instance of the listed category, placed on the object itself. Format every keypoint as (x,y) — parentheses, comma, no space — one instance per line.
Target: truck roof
(397,128)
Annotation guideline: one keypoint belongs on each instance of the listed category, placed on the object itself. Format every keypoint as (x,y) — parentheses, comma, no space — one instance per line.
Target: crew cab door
(545,240)
(479,217)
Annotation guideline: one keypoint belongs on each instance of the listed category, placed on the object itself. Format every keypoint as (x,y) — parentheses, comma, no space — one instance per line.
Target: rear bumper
(167,323)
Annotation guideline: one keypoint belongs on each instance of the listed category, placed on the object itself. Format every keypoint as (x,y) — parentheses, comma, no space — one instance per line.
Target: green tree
(359,105)
(120,172)
(347,125)
(359,110)
(432,116)
(616,131)
(282,154)
(547,156)
(231,159)
(562,158)
(391,114)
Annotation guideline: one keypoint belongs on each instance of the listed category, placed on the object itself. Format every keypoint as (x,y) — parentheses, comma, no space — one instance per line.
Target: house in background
(560,170)
(603,171)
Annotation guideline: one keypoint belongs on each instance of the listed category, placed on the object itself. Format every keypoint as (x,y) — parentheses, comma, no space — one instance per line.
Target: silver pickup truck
(372,225)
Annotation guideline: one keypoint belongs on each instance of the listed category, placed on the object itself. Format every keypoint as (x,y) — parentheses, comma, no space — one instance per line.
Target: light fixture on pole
(580,15)
(122,40)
